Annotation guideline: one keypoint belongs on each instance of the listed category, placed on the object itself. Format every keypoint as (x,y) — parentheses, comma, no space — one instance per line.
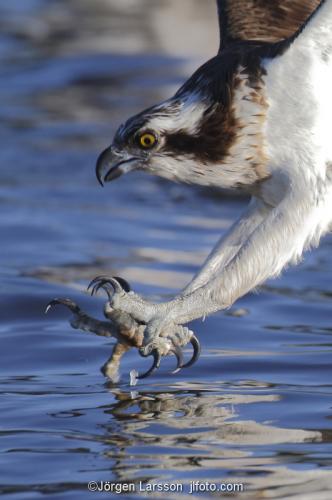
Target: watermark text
(170,487)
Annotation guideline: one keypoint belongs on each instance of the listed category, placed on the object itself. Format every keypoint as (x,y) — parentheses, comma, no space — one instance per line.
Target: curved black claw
(124,283)
(106,286)
(179,357)
(155,365)
(115,284)
(197,351)
(64,302)
(118,284)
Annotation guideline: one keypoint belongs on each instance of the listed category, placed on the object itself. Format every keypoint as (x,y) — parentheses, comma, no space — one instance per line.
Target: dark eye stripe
(215,135)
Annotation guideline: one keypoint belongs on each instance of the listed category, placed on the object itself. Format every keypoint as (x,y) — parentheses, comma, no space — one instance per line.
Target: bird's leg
(229,244)
(177,336)
(112,366)
(121,326)
(133,331)
(82,321)
(223,252)
(128,332)
(279,239)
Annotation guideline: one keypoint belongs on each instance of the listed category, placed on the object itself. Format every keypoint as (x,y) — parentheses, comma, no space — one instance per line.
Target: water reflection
(206,415)
(200,433)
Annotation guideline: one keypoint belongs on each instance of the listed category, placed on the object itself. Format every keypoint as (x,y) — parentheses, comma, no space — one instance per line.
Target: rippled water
(256,408)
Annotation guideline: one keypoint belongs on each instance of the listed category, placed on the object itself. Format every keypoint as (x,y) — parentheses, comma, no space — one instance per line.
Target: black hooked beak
(114,164)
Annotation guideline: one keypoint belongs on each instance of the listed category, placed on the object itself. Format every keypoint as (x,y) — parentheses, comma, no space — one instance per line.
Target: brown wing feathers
(262,20)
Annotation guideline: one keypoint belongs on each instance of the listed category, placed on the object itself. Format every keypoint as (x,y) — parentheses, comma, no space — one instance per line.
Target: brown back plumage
(262,20)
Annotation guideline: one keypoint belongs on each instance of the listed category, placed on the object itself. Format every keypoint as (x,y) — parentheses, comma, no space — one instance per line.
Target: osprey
(256,117)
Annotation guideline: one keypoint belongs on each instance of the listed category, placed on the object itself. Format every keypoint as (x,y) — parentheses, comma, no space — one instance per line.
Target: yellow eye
(147,140)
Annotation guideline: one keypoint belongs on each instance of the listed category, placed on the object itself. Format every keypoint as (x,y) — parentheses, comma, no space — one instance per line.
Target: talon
(115,282)
(104,284)
(197,351)
(95,281)
(93,291)
(155,365)
(64,302)
(105,287)
(179,357)
(125,285)
(116,285)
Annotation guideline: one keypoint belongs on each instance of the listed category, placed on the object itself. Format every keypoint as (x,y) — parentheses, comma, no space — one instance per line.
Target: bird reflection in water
(204,430)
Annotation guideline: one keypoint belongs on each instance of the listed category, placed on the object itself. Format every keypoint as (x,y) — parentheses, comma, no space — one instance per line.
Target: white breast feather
(298,133)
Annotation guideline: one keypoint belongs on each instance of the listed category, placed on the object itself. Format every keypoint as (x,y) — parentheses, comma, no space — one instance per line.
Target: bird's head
(162,140)
(188,138)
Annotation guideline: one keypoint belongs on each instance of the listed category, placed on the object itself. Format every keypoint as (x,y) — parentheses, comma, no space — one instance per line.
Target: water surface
(256,408)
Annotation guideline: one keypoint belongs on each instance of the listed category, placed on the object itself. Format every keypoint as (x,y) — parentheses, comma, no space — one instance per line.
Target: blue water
(256,408)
